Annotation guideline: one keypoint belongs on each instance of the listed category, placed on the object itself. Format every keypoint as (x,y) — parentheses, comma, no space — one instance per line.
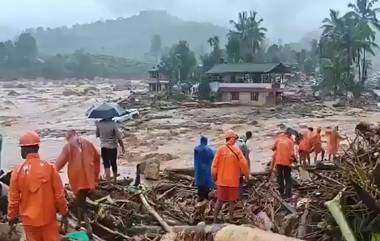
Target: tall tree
(233,49)
(365,15)
(156,46)
(216,55)
(251,34)
(179,63)
(345,42)
(26,48)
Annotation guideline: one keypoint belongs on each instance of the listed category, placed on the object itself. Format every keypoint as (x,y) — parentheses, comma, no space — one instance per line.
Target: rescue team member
(305,146)
(83,170)
(36,193)
(317,145)
(334,142)
(109,134)
(282,160)
(203,156)
(228,164)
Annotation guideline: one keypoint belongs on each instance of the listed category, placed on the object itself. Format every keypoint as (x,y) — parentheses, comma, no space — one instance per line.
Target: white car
(129,114)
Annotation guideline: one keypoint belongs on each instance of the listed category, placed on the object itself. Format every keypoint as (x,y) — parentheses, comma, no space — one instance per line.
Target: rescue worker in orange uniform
(36,193)
(317,144)
(83,170)
(334,142)
(228,164)
(282,160)
(305,146)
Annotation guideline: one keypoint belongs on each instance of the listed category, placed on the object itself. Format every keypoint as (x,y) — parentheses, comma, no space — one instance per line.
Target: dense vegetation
(345,45)
(246,43)
(338,60)
(125,37)
(21,59)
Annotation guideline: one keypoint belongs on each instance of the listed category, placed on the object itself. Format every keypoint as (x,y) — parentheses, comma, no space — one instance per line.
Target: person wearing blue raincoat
(203,157)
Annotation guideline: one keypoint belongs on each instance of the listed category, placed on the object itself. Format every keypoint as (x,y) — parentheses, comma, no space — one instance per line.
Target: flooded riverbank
(168,135)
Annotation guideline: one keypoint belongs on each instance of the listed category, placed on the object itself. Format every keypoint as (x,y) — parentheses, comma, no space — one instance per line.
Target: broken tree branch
(151,210)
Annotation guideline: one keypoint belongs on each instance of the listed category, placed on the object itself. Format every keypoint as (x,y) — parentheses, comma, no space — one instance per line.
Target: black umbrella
(106,111)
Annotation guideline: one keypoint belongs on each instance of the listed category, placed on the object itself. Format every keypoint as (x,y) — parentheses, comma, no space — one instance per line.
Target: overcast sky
(285,19)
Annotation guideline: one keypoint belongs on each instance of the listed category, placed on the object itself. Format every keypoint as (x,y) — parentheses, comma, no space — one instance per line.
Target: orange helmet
(29,138)
(230,134)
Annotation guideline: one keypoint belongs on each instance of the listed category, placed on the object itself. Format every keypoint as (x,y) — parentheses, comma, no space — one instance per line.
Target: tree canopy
(248,34)
(345,44)
(179,62)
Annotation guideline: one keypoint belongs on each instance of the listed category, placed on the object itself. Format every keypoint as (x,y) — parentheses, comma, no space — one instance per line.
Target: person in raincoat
(334,139)
(316,140)
(283,157)
(203,156)
(36,193)
(228,164)
(305,146)
(83,170)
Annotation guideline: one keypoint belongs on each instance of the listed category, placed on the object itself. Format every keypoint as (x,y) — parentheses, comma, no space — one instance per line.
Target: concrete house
(158,82)
(253,84)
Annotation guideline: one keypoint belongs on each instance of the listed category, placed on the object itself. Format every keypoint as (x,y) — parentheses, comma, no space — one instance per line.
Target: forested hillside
(126,37)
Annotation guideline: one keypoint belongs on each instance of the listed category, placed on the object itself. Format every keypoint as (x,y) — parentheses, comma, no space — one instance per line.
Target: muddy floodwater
(51,107)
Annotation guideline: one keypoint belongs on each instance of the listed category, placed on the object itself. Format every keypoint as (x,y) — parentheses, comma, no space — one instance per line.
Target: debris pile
(330,202)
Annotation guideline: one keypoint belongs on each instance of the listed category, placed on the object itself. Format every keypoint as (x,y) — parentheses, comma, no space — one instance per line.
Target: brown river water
(170,137)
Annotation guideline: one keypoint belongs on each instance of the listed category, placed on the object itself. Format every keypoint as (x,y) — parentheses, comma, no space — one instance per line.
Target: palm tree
(332,24)
(363,9)
(240,26)
(250,33)
(213,42)
(365,14)
(256,33)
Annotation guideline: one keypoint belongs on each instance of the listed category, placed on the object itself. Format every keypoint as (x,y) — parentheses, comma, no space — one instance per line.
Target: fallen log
(184,171)
(291,209)
(302,228)
(326,177)
(151,210)
(223,232)
(335,209)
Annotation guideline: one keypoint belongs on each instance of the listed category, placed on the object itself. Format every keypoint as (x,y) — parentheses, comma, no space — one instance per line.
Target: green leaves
(246,38)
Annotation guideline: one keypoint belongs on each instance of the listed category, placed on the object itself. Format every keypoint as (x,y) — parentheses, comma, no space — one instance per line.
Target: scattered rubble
(13,93)
(174,199)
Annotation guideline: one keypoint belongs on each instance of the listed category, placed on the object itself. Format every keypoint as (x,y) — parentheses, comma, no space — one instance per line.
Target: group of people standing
(36,192)
(223,172)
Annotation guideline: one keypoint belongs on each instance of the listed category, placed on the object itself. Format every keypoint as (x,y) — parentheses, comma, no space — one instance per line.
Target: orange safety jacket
(36,193)
(227,166)
(83,164)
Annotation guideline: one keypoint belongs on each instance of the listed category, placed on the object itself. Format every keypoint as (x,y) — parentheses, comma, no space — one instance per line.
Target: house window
(235,96)
(254,96)
(154,74)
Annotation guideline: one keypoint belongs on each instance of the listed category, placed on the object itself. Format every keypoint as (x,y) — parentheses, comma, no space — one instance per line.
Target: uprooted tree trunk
(225,233)
(335,209)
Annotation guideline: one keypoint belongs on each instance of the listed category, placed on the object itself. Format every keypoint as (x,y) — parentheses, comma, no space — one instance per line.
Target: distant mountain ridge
(127,37)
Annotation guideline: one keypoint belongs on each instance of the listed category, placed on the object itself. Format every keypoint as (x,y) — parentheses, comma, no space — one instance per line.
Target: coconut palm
(249,31)
(256,33)
(364,12)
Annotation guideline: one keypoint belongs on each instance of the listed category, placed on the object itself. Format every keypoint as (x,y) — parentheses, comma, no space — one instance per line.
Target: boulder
(151,169)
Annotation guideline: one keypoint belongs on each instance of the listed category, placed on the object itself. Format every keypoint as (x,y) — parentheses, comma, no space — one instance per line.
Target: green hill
(126,37)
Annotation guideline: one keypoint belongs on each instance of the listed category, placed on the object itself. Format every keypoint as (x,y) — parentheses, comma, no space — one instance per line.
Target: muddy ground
(167,134)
